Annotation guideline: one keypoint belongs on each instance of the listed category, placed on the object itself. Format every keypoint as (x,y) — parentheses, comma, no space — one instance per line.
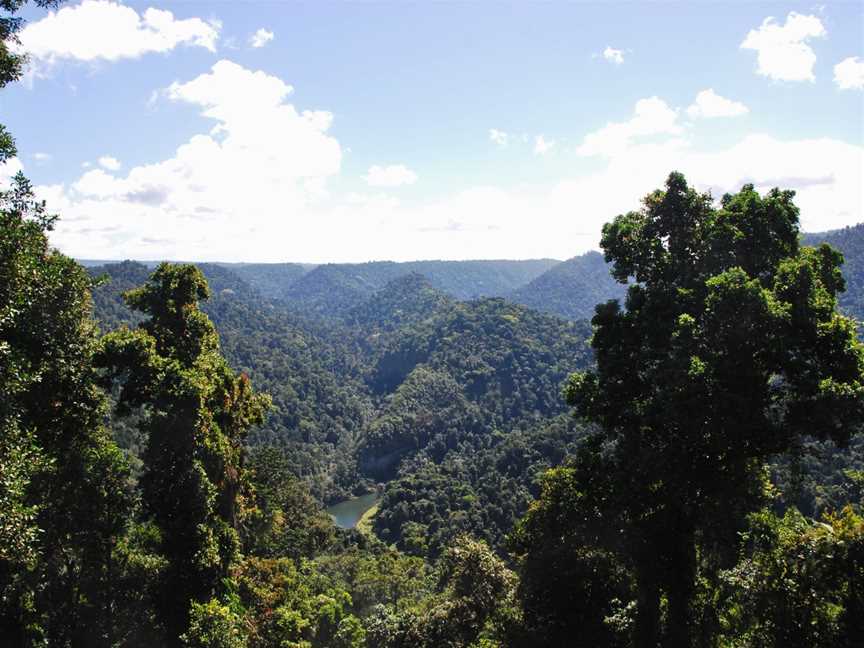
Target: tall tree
(729,349)
(63,482)
(196,412)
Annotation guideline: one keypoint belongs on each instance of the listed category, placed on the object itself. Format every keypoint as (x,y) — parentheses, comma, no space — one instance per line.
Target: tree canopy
(729,349)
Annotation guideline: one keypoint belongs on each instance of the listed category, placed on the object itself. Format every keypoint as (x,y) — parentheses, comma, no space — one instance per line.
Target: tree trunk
(679,577)
(647,633)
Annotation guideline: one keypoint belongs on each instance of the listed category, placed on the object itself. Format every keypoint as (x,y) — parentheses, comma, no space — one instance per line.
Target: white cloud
(782,50)
(258,187)
(709,104)
(849,73)
(110,163)
(42,157)
(8,170)
(101,30)
(498,137)
(542,146)
(651,116)
(261,37)
(613,55)
(394,175)
(244,185)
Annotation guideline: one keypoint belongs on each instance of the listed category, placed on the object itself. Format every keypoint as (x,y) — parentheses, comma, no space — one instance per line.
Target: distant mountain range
(423,375)
(568,289)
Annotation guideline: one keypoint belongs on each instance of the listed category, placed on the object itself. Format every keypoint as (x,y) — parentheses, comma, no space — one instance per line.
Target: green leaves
(196,412)
(728,351)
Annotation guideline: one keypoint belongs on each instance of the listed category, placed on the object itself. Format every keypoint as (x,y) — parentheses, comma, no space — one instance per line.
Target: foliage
(213,625)
(730,350)
(63,483)
(482,487)
(285,521)
(572,590)
(318,409)
(197,414)
(572,288)
(850,242)
(798,583)
(473,599)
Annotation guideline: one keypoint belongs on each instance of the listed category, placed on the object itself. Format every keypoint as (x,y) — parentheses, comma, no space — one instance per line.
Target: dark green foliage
(571,591)
(799,583)
(508,359)
(286,520)
(729,350)
(572,288)
(850,242)
(62,479)
(316,413)
(196,412)
(472,603)
(819,477)
(482,486)
(427,405)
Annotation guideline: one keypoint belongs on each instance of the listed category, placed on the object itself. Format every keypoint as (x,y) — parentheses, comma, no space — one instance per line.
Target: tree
(729,350)
(196,412)
(64,497)
(798,584)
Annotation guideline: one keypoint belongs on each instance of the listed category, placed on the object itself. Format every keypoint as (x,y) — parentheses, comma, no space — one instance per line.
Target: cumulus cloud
(110,163)
(261,37)
(613,55)
(101,30)
(849,73)
(249,177)
(257,186)
(394,175)
(709,104)
(783,53)
(651,116)
(498,137)
(542,146)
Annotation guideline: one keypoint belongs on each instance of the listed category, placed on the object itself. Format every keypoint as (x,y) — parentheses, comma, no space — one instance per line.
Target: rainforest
(654,443)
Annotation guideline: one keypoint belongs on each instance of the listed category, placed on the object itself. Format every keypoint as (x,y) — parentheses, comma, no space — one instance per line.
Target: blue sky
(361,131)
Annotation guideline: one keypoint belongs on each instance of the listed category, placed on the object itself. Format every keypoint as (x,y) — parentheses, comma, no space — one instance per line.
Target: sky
(335,132)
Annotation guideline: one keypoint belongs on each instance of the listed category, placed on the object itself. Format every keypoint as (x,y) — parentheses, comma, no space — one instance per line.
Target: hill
(572,288)
(319,408)
(409,369)
(271,280)
(850,241)
(332,290)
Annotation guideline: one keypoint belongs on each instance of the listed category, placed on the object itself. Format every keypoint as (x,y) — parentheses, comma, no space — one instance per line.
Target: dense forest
(455,410)
(659,445)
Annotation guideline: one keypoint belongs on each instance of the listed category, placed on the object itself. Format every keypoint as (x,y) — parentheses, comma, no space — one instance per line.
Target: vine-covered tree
(729,349)
(196,411)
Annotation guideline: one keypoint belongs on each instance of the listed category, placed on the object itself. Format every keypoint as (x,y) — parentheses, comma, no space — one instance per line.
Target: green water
(346,514)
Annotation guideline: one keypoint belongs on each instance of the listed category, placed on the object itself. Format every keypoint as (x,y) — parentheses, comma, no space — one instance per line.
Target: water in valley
(346,514)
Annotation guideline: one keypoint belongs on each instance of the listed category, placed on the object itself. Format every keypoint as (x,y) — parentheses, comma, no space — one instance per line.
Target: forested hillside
(850,241)
(571,289)
(456,409)
(332,382)
(333,289)
(656,446)
(270,279)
